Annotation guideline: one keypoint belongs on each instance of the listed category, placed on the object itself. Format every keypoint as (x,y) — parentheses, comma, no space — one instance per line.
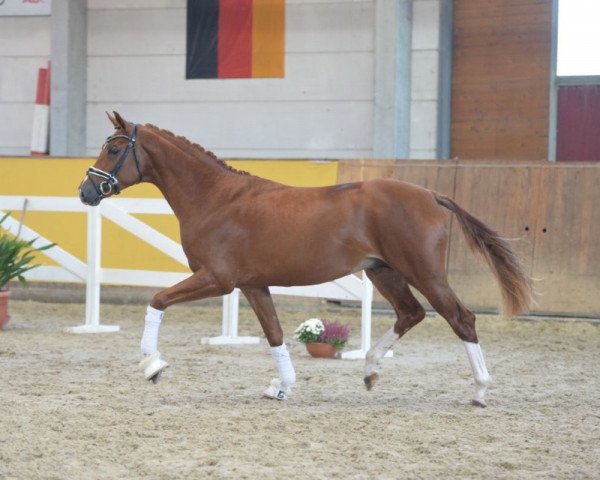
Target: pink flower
(335,334)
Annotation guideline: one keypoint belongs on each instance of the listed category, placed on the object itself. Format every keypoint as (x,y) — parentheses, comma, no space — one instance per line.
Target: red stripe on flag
(235,39)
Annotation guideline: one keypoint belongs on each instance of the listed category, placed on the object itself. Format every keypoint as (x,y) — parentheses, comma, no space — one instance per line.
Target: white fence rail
(119,211)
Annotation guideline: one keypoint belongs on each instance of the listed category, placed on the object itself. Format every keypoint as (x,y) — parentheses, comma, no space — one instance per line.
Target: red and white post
(41,114)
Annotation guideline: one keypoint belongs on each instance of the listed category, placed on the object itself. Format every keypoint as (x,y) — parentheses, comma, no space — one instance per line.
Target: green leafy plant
(16,256)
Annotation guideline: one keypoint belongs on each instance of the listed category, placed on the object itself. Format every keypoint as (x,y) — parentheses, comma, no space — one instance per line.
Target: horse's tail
(516,286)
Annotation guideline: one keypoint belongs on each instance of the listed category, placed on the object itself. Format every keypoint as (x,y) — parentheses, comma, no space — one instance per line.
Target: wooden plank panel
(501,196)
(500,106)
(496,67)
(496,135)
(349,170)
(550,210)
(567,257)
(500,79)
(492,22)
(434,175)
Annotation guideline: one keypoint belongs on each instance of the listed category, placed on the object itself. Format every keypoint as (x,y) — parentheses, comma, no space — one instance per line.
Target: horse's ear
(119,122)
(112,120)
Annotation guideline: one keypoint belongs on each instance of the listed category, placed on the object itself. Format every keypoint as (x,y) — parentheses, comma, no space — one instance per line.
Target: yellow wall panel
(121,249)
(299,173)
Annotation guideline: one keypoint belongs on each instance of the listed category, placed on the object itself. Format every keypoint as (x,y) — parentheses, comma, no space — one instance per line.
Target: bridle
(110,180)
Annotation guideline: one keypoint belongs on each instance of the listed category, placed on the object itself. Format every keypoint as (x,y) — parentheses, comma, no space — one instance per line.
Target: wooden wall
(501,74)
(549,209)
(578,123)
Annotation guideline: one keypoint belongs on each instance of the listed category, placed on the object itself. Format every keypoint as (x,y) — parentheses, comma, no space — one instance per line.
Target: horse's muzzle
(88,193)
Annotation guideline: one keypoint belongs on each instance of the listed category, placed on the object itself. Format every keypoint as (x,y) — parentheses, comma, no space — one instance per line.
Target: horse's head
(117,167)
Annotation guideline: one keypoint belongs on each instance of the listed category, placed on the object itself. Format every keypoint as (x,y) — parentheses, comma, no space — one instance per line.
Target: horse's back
(402,196)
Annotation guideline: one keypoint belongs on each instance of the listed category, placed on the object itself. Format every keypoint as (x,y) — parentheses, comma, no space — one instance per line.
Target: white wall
(323,108)
(24,49)
(424,79)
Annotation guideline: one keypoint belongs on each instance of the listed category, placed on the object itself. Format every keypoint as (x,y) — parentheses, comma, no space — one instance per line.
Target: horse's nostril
(85,198)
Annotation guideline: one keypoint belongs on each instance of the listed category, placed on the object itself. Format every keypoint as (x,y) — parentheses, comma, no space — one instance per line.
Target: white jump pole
(229,329)
(92,294)
(41,114)
(231,313)
(365,324)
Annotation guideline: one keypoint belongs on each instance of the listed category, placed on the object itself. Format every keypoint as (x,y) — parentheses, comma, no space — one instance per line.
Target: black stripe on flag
(202,39)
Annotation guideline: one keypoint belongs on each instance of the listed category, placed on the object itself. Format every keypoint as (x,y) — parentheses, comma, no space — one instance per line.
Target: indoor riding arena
(383,145)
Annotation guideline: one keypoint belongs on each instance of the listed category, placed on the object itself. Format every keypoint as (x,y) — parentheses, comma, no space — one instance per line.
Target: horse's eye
(113,150)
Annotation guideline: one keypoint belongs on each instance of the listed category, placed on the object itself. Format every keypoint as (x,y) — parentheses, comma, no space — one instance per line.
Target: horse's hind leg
(462,321)
(408,310)
(262,304)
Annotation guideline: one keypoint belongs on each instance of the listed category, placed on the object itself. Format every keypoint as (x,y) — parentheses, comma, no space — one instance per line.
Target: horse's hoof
(478,403)
(153,365)
(155,378)
(371,380)
(276,392)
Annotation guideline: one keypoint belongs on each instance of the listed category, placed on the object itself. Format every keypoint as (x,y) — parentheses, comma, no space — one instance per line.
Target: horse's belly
(279,273)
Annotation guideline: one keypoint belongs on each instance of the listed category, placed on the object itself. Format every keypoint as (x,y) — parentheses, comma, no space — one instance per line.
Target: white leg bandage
(287,375)
(378,351)
(482,377)
(149,342)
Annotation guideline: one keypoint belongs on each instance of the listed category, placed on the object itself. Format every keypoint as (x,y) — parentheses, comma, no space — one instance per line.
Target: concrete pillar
(444,130)
(68,93)
(391,129)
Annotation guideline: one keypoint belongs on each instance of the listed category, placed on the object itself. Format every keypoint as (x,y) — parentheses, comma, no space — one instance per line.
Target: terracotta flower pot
(321,350)
(4,316)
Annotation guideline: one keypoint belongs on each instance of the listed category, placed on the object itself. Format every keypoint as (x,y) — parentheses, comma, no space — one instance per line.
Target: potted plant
(16,256)
(321,337)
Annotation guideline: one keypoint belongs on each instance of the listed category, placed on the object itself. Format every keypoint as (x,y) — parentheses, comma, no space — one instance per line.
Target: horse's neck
(188,182)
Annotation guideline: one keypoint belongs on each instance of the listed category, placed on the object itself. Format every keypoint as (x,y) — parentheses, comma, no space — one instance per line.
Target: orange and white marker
(41,114)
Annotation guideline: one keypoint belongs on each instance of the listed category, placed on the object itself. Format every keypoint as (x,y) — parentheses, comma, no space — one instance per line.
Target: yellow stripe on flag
(268,38)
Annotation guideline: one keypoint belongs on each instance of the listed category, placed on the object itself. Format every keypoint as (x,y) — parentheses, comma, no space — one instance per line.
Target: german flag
(235,38)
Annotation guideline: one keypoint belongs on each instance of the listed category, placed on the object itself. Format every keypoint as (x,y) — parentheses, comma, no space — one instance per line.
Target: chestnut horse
(238,230)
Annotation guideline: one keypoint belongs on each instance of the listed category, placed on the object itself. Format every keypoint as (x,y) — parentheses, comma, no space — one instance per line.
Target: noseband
(110,181)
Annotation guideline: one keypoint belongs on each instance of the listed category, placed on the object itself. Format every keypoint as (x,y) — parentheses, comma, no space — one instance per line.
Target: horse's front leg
(262,304)
(201,284)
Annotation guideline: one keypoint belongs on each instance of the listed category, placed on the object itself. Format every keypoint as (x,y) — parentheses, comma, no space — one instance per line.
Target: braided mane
(193,148)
